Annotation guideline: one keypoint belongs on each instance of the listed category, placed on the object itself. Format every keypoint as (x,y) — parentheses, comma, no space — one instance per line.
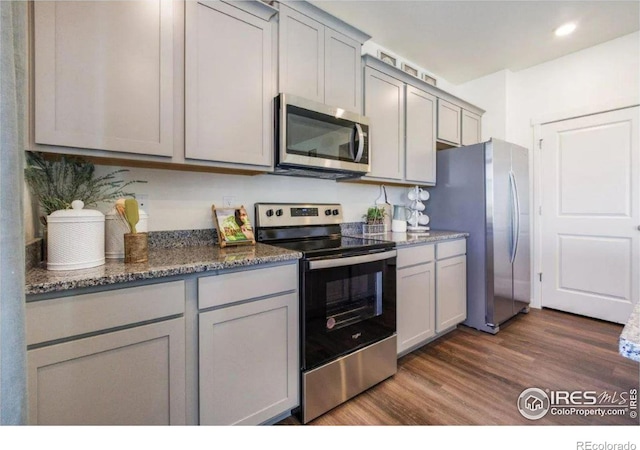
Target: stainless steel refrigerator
(483,189)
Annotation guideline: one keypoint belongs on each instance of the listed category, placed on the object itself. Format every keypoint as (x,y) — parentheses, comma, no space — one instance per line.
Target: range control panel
(297,214)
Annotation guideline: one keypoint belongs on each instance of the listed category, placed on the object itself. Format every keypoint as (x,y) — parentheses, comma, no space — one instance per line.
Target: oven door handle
(350,260)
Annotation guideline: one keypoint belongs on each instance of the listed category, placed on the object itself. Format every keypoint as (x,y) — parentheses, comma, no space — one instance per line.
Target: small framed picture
(410,70)
(428,79)
(233,226)
(387,58)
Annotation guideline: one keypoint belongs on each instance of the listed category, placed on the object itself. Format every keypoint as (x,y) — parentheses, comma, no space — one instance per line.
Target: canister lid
(76,214)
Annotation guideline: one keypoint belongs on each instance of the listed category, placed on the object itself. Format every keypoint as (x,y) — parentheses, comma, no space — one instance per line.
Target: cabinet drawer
(48,320)
(418,254)
(233,287)
(452,248)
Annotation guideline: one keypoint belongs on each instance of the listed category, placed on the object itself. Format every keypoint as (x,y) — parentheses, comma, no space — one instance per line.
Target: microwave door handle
(352,144)
(360,143)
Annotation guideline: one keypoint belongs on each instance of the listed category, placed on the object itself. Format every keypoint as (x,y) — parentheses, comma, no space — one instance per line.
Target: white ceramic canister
(115,229)
(75,238)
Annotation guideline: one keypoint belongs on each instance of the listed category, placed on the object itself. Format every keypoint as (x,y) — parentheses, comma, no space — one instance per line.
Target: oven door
(347,303)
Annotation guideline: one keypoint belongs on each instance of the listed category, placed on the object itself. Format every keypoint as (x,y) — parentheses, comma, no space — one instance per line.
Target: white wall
(490,94)
(589,80)
(593,79)
(181,200)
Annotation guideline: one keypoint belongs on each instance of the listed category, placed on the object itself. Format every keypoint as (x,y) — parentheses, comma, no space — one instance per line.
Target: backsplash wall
(182,200)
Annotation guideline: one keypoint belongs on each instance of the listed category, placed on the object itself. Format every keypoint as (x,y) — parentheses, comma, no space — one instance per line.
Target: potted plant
(374,220)
(57,181)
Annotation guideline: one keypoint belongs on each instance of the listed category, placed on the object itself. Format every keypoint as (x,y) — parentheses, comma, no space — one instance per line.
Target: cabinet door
(301,58)
(451,292)
(384,100)
(416,305)
(249,363)
(129,377)
(228,85)
(471,129)
(342,71)
(448,122)
(421,142)
(104,75)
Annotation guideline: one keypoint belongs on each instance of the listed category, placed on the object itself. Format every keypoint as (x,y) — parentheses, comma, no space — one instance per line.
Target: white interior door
(590,235)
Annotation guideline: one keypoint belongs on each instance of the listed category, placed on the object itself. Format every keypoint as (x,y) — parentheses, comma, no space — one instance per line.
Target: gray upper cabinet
(384,106)
(319,56)
(449,122)
(343,71)
(471,128)
(301,64)
(103,75)
(229,86)
(420,140)
(409,120)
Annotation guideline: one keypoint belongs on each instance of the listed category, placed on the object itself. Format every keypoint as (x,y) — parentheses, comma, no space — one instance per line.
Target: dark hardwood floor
(468,377)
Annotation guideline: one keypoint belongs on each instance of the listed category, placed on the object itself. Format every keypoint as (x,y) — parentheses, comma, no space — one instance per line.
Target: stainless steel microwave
(314,139)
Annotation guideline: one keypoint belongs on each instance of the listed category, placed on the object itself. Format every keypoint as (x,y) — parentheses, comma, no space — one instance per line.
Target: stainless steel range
(347,302)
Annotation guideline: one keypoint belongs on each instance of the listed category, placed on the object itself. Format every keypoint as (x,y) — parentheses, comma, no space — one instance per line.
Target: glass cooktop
(334,245)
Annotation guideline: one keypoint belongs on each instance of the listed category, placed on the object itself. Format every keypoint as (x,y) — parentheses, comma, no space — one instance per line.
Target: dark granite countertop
(163,262)
(630,338)
(195,258)
(406,239)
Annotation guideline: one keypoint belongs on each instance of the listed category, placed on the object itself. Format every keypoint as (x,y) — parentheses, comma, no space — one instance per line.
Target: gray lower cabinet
(416,305)
(248,346)
(451,284)
(431,292)
(95,359)
(451,292)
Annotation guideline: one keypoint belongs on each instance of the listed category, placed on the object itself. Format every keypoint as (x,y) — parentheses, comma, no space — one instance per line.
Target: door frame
(536,175)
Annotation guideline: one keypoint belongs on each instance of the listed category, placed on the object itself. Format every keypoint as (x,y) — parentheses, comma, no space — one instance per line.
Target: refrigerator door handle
(515,217)
(516,213)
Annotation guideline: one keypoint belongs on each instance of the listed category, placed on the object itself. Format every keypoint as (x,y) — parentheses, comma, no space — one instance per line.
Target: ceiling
(463,40)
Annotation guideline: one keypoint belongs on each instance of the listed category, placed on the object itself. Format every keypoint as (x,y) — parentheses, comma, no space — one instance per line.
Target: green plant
(57,181)
(375,215)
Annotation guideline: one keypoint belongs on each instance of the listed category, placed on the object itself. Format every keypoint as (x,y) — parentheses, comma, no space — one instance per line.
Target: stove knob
(279,212)
(269,212)
(335,212)
(327,212)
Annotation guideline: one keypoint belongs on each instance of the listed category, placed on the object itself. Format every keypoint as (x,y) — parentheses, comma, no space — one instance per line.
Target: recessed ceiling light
(565,29)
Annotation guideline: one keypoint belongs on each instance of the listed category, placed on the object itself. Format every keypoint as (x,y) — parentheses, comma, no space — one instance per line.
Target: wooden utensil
(132,214)
(119,206)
